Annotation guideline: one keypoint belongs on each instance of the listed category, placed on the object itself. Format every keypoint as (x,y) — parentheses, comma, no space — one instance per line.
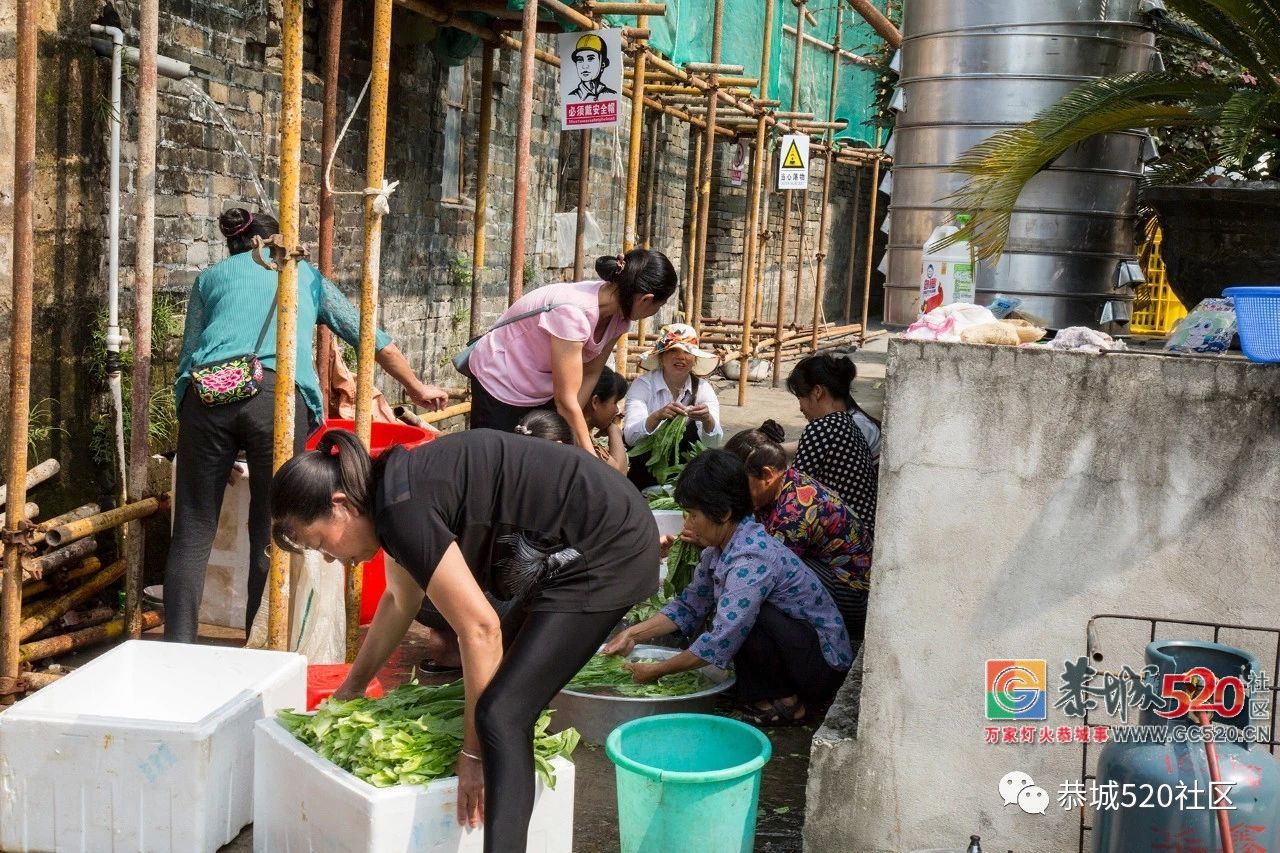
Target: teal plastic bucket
(687,782)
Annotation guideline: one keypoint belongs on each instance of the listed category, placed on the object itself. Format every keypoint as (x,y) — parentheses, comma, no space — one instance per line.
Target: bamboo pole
(765,213)
(482,187)
(829,167)
(750,267)
(639,9)
(32,681)
(43,615)
(853,242)
(782,282)
(800,265)
(328,140)
(78,619)
(73,530)
(635,142)
(871,237)
(143,286)
(65,643)
(37,475)
(690,261)
(287,298)
(24,174)
(882,25)
(584,177)
(66,518)
(650,187)
(797,66)
(445,414)
(524,131)
(708,164)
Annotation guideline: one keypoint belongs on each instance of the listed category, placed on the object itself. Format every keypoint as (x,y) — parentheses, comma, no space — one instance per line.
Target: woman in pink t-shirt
(549,360)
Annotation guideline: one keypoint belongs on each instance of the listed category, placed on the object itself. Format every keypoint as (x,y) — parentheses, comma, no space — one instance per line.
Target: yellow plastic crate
(1155,308)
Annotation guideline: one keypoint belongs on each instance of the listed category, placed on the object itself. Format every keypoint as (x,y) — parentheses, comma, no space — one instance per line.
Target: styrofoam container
(147,748)
(306,803)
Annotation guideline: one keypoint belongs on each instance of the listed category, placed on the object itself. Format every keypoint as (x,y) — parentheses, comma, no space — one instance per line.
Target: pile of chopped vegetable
(609,674)
(408,737)
(663,446)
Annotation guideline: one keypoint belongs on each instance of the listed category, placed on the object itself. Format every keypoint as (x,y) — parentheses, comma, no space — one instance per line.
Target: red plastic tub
(384,436)
(324,678)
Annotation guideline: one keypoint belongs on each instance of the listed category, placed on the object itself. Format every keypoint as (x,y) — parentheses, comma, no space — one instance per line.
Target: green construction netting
(684,35)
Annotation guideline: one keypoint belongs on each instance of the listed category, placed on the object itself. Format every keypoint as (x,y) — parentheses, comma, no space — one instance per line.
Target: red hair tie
(243,228)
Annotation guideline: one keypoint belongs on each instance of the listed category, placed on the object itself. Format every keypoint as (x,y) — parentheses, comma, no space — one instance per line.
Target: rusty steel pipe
(37,475)
(19,402)
(584,176)
(524,133)
(750,267)
(708,164)
(782,283)
(482,187)
(33,681)
(639,9)
(651,166)
(639,88)
(828,168)
(34,568)
(34,588)
(853,243)
(143,289)
(800,264)
(65,643)
(71,531)
(882,25)
(66,518)
(689,260)
(76,620)
(871,236)
(328,140)
(277,590)
(44,615)
(762,247)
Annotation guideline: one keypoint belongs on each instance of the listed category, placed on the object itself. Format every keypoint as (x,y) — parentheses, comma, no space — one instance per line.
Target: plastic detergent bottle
(946,274)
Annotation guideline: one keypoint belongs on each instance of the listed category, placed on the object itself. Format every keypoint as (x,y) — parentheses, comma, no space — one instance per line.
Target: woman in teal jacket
(232,307)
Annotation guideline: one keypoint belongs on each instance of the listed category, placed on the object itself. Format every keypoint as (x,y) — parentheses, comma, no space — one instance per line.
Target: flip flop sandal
(430,667)
(777,714)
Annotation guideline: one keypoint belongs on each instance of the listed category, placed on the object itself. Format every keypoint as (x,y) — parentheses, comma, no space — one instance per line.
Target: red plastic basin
(324,678)
(385,435)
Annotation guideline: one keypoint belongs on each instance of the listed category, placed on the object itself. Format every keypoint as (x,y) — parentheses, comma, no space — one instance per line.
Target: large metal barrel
(971,69)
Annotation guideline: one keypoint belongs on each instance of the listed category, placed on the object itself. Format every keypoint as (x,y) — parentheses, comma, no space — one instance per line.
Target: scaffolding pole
(871,235)
(749,264)
(24,176)
(635,143)
(287,295)
(853,243)
(690,261)
(800,239)
(584,175)
(482,186)
(796,65)
(826,181)
(524,131)
(143,288)
(708,166)
(328,139)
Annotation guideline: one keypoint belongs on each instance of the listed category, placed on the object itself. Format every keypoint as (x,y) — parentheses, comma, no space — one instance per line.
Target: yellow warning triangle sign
(793,159)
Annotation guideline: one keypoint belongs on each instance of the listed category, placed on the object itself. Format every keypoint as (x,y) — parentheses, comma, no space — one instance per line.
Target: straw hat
(682,337)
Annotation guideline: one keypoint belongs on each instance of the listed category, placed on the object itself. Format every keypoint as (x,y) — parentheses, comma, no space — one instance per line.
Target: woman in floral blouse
(773,619)
(812,521)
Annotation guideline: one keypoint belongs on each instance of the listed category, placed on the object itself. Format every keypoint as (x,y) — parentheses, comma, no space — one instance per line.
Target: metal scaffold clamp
(279,252)
(20,538)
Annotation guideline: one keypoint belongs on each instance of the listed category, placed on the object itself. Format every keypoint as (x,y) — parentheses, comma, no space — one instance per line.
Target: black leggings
(209,439)
(782,657)
(547,651)
(488,412)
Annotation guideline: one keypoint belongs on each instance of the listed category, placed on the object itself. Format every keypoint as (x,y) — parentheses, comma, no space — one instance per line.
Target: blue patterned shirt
(755,568)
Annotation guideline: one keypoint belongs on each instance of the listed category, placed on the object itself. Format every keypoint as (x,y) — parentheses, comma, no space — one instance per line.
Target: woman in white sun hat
(673,386)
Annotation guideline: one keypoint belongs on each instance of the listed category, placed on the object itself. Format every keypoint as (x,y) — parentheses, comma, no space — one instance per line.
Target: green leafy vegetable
(608,673)
(663,446)
(409,737)
(663,502)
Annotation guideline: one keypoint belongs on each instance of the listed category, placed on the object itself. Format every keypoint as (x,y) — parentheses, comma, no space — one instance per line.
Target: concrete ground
(782,790)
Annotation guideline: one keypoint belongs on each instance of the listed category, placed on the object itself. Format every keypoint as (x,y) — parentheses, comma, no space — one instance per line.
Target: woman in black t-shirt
(581,548)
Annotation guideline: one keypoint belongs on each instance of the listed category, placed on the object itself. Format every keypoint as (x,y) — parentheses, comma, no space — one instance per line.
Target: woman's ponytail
(302,490)
(638,273)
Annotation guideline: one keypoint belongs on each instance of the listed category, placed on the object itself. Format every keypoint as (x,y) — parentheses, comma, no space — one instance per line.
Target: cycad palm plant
(1243,32)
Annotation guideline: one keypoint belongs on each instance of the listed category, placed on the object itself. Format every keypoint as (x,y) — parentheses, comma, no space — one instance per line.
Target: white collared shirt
(649,392)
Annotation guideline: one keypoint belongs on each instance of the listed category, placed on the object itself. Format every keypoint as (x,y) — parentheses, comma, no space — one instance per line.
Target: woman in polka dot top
(771,618)
(840,447)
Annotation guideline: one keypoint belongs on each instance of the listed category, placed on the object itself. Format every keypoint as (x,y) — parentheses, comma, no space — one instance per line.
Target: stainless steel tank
(970,69)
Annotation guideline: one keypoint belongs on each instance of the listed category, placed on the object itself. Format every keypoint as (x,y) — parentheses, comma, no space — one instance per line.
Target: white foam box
(306,804)
(147,748)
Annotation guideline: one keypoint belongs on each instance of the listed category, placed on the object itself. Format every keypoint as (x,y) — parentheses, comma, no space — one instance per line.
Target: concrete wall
(1021,492)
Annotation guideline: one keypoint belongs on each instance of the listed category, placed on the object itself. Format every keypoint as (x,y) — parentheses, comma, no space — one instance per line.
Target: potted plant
(1215,107)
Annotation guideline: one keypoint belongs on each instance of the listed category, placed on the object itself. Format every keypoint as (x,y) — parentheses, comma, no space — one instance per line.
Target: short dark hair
(715,484)
(759,448)
(240,226)
(638,272)
(544,423)
(610,385)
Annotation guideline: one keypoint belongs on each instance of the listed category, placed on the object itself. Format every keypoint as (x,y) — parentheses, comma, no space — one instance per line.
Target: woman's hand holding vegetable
(702,414)
(645,673)
(621,644)
(659,416)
